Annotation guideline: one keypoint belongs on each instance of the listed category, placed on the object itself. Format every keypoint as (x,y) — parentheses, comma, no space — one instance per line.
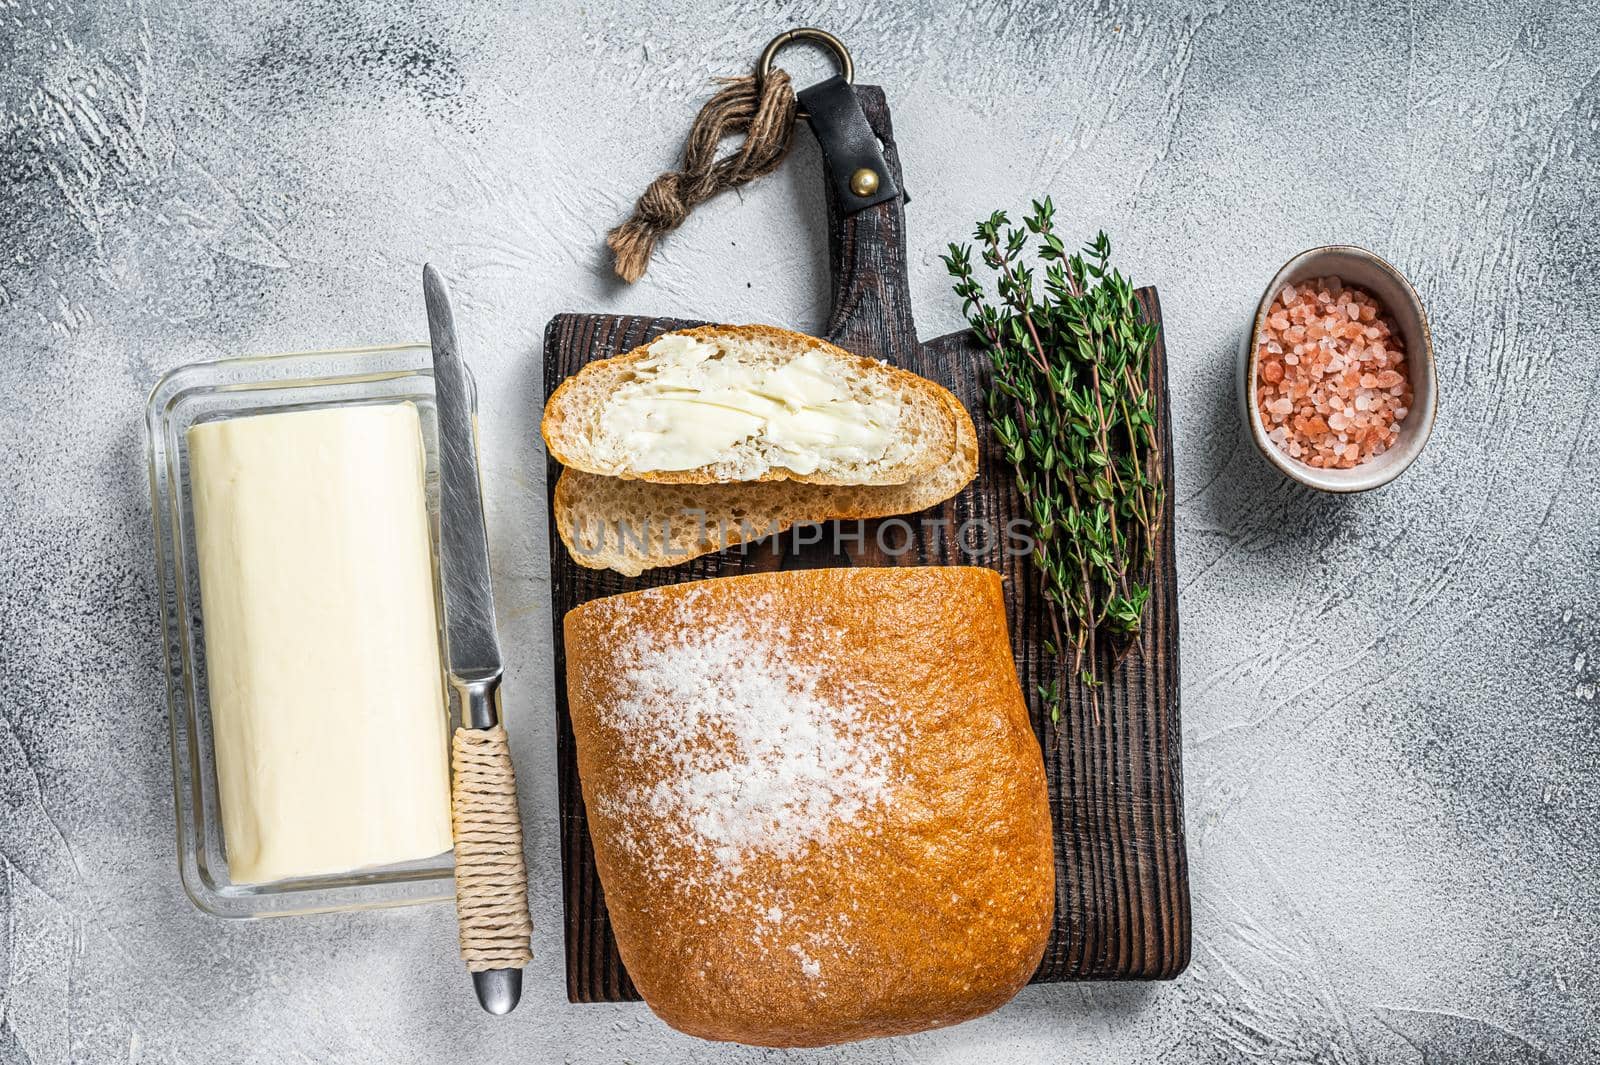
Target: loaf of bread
(726,403)
(631,525)
(817,805)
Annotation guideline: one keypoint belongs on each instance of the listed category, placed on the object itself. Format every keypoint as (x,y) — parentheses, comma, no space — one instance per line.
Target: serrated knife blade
(472,643)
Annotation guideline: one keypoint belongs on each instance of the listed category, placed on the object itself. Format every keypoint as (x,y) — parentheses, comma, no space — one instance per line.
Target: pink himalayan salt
(1331,380)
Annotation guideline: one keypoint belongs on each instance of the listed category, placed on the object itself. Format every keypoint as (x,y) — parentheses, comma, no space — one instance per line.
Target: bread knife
(472,646)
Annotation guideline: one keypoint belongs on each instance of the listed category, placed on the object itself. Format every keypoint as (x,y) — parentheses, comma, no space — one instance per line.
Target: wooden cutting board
(1116,786)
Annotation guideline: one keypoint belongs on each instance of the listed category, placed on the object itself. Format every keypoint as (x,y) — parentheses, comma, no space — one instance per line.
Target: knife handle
(491,876)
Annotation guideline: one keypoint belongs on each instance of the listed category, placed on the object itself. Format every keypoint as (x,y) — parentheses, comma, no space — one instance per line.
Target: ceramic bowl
(1363,269)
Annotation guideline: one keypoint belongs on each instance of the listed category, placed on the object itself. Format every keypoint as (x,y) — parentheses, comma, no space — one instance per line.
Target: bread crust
(931,909)
(559,410)
(677,522)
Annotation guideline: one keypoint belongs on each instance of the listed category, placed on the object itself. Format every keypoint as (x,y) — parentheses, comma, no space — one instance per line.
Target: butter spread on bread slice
(817,805)
(632,526)
(722,404)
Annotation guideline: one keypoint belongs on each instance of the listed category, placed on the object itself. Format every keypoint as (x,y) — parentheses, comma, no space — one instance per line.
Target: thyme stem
(1071,409)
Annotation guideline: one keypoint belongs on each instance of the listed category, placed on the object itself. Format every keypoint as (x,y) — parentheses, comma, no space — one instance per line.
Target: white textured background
(1390,715)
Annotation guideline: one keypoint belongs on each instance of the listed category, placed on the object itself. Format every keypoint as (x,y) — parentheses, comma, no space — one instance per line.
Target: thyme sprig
(1071,407)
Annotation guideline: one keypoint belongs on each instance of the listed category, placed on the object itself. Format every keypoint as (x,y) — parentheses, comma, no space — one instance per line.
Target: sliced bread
(725,404)
(632,526)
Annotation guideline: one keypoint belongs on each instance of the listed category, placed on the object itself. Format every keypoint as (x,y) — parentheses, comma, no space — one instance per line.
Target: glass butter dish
(236,388)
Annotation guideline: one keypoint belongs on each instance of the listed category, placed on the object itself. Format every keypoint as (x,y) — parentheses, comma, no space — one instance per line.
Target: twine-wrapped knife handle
(491,877)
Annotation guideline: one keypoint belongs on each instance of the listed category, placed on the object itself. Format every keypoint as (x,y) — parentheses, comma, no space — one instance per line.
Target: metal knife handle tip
(498,990)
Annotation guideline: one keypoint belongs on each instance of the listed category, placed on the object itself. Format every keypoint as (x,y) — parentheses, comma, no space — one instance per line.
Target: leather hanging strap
(857,171)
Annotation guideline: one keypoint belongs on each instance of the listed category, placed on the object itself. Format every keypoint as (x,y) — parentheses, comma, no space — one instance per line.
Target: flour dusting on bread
(768,756)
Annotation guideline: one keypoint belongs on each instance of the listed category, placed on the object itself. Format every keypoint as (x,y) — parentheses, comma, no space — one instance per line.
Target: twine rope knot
(763,110)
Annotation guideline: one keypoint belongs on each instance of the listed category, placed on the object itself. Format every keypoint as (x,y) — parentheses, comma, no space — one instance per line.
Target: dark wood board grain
(1116,787)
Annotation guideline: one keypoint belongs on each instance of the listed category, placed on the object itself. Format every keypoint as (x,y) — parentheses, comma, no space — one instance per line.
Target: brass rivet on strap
(864,182)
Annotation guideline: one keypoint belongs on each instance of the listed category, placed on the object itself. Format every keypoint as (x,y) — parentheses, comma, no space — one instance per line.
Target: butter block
(327,703)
